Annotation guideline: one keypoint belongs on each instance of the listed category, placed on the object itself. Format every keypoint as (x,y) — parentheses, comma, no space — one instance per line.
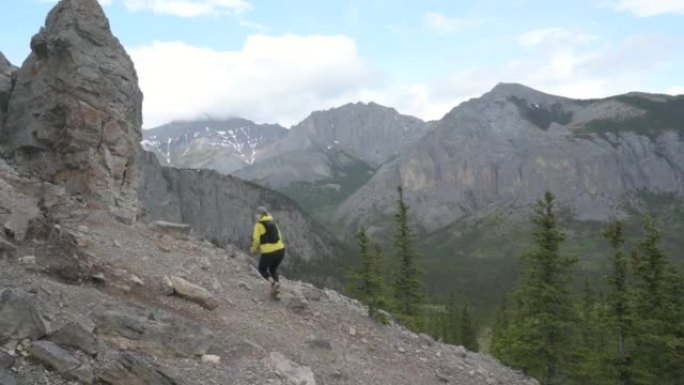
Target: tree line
(629,330)
(397,289)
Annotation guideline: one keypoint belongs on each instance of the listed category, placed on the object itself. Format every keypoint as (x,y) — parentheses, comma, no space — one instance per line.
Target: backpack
(271,234)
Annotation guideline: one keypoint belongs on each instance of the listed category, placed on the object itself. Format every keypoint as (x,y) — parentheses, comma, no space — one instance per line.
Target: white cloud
(676,90)
(189,8)
(646,8)
(442,23)
(271,79)
(553,35)
(102,2)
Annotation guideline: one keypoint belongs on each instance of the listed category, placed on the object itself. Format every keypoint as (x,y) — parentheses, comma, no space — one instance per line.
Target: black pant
(269,262)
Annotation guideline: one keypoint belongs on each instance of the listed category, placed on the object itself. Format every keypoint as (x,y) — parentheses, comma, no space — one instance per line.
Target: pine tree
(619,309)
(658,311)
(468,334)
(498,342)
(367,282)
(451,324)
(541,323)
(408,295)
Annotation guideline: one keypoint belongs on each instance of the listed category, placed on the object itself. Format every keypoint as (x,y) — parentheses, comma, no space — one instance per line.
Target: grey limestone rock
(19,317)
(62,361)
(505,149)
(151,330)
(74,116)
(73,335)
(290,371)
(129,369)
(193,293)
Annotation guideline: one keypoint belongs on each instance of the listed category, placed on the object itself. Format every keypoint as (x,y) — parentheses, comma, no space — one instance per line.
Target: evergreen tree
(541,323)
(451,323)
(658,312)
(367,282)
(467,332)
(589,346)
(498,342)
(408,295)
(619,309)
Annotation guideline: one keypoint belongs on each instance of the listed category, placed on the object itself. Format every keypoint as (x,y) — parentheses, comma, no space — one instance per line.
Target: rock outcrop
(74,115)
(7,78)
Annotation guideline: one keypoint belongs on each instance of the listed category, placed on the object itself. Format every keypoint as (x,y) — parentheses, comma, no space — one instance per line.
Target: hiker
(269,242)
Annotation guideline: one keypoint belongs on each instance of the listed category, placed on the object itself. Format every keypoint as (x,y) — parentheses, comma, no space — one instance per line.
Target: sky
(276,61)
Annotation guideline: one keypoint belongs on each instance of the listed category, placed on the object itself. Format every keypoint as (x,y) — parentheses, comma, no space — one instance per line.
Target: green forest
(556,326)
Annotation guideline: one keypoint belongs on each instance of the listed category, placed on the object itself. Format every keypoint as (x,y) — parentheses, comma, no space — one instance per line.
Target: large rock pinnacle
(74,116)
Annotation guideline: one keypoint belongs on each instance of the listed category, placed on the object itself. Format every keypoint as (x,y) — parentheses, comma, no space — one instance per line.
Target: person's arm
(256,237)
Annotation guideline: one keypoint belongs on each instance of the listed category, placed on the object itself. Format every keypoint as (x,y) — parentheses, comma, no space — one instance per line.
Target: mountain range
(479,169)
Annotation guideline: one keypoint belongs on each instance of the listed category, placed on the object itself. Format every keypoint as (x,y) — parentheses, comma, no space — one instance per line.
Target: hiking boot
(275,290)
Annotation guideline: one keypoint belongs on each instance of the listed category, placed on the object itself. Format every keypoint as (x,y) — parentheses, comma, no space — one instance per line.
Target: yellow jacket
(259,230)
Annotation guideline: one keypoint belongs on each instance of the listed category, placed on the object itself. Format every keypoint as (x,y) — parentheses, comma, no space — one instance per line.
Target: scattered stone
(28,259)
(136,280)
(7,378)
(60,360)
(151,330)
(6,361)
(299,306)
(244,285)
(401,349)
(211,359)
(426,339)
(83,228)
(19,219)
(320,344)
(460,351)
(193,293)
(128,369)
(441,376)
(176,230)
(116,243)
(352,331)
(312,293)
(18,316)
(291,372)
(75,336)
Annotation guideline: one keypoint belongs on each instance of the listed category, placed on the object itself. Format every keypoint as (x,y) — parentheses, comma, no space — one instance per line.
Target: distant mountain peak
(520,91)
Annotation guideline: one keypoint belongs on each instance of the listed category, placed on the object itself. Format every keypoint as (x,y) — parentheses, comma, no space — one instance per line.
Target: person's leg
(264,263)
(275,262)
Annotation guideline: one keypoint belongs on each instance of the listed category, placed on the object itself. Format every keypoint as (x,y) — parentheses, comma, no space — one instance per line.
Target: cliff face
(503,150)
(74,114)
(221,208)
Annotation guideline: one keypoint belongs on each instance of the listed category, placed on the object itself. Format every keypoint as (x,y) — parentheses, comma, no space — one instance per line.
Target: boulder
(176,230)
(193,293)
(128,369)
(7,378)
(75,114)
(291,372)
(73,335)
(60,360)
(151,330)
(19,317)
